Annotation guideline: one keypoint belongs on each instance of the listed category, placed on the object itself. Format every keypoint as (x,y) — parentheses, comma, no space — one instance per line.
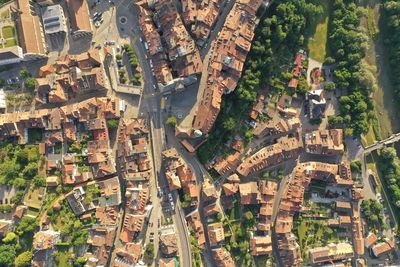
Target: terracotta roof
(31,35)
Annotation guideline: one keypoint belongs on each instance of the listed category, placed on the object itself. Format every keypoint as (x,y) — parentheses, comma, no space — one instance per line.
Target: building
(69,76)
(249,193)
(169,244)
(222,257)
(370,240)
(331,252)
(45,239)
(325,142)
(260,245)
(215,233)
(30,32)
(316,104)
(11,55)
(289,250)
(286,148)
(53,19)
(383,248)
(226,63)
(79,18)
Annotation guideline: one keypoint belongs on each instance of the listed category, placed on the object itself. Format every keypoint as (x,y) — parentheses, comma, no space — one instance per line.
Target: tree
(26,225)
(248,216)
(7,255)
(10,238)
(329,86)
(172,121)
(24,73)
(30,84)
(112,123)
(39,181)
(149,253)
(80,262)
(229,124)
(24,259)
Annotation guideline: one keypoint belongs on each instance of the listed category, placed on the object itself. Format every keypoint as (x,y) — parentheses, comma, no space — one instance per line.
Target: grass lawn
(376,58)
(34,198)
(317,44)
(8,32)
(11,42)
(5,14)
(368,138)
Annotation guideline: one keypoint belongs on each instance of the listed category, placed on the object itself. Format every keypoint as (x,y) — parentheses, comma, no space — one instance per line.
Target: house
(316,104)
(289,250)
(168,244)
(383,248)
(215,233)
(44,240)
(260,245)
(52,181)
(195,225)
(222,257)
(325,142)
(226,62)
(5,227)
(285,149)
(331,252)
(130,253)
(343,206)
(370,240)
(249,193)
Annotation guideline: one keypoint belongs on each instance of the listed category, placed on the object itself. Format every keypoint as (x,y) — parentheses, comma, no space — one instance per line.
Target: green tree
(329,86)
(149,253)
(26,225)
(10,238)
(112,123)
(39,181)
(81,261)
(24,73)
(30,84)
(24,259)
(229,124)
(7,255)
(172,121)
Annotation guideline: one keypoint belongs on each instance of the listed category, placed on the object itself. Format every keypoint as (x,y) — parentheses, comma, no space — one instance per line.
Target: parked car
(170,197)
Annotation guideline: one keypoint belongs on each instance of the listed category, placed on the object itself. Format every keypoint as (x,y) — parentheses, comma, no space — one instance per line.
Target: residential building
(216,233)
(222,257)
(316,103)
(325,142)
(370,240)
(286,148)
(260,245)
(168,244)
(43,240)
(331,252)
(226,63)
(196,226)
(383,248)
(289,250)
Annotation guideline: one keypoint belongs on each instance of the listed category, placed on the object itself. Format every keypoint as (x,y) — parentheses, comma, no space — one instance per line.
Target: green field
(317,44)
(8,32)
(10,43)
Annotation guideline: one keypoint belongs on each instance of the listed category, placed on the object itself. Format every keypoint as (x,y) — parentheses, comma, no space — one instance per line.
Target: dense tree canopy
(391,15)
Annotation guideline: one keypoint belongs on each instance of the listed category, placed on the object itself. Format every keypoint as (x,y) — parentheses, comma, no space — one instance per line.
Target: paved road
(151,107)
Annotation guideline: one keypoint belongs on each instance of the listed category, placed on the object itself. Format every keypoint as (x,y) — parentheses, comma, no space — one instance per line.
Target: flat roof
(53,19)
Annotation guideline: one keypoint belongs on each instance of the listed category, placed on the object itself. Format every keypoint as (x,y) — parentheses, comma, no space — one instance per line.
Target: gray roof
(53,19)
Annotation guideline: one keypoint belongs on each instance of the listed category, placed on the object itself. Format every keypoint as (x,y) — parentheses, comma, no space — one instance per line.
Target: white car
(170,197)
